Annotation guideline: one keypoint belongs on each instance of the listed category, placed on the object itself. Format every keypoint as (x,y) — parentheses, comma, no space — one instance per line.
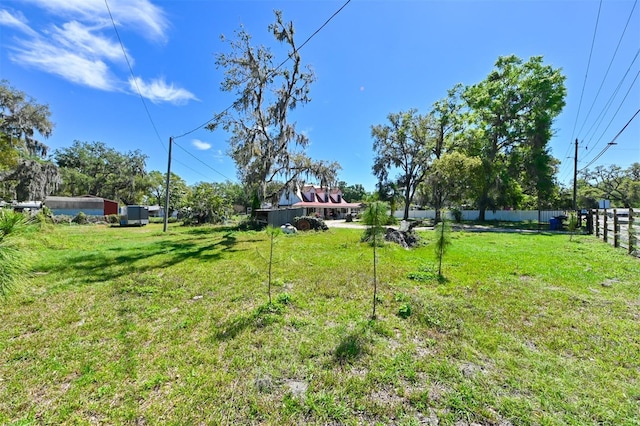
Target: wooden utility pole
(166,200)
(575,177)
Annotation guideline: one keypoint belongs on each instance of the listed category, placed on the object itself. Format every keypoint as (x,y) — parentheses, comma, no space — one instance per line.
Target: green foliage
(13,258)
(205,204)
(375,217)
(157,193)
(113,219)
(443,240)
(80,219)
(510,122)
(94,168)
(403,144)
(404,311)
(620,186)
(353,193)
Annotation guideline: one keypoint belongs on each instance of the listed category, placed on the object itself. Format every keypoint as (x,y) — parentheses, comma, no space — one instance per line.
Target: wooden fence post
(589,218)
(597,223)
(631,232)
(616,229)
(605,229)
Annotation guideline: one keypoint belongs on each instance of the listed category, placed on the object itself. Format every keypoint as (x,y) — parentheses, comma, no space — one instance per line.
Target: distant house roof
(313,196)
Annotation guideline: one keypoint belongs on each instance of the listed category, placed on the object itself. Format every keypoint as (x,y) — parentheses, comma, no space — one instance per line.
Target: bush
(306,223)
(392,220)
(113,219)
(80,219)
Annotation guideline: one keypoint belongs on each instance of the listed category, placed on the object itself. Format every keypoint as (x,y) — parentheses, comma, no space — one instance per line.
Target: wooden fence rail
(618,227)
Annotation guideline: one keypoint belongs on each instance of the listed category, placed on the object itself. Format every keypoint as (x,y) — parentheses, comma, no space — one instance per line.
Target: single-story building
(321,202)
(88,204)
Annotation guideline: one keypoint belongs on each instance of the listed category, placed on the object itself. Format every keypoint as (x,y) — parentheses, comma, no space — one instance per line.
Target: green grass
(130,325)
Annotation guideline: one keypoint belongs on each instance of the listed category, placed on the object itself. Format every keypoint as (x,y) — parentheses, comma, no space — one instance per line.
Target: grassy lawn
(133,326)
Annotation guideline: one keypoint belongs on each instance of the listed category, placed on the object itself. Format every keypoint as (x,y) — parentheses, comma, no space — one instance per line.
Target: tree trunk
(407,202)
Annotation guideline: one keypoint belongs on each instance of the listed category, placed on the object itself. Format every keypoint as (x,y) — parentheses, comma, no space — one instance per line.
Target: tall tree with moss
(24,172)
(264,143)
(512,112)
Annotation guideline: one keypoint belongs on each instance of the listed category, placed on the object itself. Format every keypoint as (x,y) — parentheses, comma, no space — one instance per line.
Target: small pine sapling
(443,240)
(272,232)
(375,216)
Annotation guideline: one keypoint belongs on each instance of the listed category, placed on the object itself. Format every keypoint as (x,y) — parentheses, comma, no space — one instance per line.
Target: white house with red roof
(321,202)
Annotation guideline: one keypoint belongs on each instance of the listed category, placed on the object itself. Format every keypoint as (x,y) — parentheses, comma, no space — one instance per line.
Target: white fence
(501,215)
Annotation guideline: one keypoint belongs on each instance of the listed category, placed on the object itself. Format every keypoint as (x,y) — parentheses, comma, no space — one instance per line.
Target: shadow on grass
(260,317)
(108,264)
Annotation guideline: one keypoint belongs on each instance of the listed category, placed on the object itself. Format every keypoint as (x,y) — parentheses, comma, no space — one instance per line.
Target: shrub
(392,220)
(404,311)
(80,219)
(113,218)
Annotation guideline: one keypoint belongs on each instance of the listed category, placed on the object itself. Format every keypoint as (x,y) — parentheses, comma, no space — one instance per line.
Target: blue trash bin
(554,224)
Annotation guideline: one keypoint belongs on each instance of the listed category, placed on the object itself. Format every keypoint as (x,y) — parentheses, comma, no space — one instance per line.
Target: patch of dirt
(609,282)
(297,387)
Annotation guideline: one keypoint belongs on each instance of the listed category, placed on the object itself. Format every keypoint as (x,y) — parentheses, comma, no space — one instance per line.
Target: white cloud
(17,21)
(71,66)
(79,45)
(80,38)
(136,15)
(158,90)
(202,146)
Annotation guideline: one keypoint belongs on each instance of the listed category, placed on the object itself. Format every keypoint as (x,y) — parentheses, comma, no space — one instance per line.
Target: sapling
(272,232)
(375,216)
(443,240)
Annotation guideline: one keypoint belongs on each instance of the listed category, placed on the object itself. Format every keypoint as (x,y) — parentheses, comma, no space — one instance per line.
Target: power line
(609,67)
(593,41)
(199,160)
(613,142)
(133,77)
(609,102)
(584,83)
(617,110)
(296,50)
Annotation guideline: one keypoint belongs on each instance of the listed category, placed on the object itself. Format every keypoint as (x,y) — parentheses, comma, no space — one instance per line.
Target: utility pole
(166,201)
(575,177)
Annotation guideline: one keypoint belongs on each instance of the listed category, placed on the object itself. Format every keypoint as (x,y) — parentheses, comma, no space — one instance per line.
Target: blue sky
(374,58)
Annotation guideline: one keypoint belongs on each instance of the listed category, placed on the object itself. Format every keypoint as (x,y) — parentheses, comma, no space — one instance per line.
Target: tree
(157,192)
(512,111)
(457,177)
(621,186)
(205,204)
(264,144)
(402,144)
(375,217)
(445,122)
(93,168)
(23,171)
(352,193)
